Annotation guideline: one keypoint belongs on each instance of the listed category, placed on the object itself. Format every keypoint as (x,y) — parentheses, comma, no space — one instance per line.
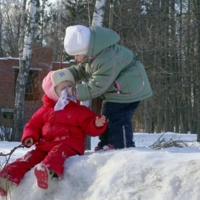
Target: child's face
(61,86)
(80,58)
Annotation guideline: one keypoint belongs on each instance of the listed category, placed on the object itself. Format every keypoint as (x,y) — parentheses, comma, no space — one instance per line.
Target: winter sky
(139,173)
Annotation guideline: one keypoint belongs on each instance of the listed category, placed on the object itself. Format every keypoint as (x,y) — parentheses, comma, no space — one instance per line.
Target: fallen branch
(163,143)
(8,155)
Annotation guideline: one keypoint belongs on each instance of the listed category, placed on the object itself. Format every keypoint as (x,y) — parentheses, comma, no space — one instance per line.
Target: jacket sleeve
(103,72)
(34,126)
(87,122)
(79,73)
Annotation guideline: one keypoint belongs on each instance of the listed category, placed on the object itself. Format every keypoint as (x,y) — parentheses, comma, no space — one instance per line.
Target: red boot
(42,175)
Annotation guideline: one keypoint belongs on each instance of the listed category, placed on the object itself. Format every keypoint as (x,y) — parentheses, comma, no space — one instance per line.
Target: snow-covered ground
(139,173)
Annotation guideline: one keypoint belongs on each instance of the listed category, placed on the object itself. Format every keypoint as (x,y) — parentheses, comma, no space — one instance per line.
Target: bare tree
(196,7)
(1,21)
(9,25)
(99,13)
(164,35)
(96,21)
(25,50)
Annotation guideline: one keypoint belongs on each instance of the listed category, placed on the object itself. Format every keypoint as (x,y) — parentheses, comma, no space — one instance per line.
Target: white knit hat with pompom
(77,40)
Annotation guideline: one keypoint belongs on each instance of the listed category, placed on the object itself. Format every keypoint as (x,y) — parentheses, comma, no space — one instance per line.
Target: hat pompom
(77,40)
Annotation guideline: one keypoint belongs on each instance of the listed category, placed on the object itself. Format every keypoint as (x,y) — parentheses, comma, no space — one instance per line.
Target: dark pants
(119,117)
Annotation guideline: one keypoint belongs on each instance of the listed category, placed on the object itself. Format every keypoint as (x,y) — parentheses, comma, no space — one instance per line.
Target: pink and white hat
(52,79)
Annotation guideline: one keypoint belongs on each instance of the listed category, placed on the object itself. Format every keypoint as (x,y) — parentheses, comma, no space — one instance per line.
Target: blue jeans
(119,117)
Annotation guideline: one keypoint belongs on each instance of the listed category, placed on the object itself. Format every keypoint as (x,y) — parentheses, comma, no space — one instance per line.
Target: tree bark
(25,49)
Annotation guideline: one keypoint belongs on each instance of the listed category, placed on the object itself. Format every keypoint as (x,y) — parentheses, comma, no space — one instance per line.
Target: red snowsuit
(57,136)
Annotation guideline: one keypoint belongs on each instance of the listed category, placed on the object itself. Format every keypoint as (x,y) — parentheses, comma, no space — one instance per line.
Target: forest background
(163,34)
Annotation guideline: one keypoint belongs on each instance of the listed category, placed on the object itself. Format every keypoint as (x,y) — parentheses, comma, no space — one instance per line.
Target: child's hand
(28,142)
(69,91)
(100,121)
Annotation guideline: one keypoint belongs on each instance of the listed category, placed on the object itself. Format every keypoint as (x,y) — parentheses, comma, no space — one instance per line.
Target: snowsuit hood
(101,38)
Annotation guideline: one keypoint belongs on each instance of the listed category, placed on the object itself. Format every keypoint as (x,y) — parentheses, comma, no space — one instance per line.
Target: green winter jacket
(111,70)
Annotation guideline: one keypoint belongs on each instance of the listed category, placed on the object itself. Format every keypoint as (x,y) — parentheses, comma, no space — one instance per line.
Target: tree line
(163,34)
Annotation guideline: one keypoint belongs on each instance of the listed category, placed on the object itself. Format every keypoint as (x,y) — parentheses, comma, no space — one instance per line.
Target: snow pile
(137,173)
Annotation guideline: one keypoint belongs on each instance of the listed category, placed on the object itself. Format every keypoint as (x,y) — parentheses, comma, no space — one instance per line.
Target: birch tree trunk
(99,13)
(96,21)
(1,21)
(25,50)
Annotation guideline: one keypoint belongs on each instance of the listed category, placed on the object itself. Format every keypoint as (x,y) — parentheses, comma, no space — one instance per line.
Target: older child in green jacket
(112,72)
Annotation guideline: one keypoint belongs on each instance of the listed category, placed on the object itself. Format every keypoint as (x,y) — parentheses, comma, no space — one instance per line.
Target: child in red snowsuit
(56,135)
